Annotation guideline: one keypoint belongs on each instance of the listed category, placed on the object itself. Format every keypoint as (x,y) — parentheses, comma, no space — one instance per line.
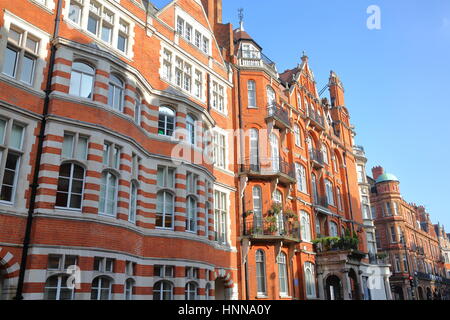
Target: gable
(193,16)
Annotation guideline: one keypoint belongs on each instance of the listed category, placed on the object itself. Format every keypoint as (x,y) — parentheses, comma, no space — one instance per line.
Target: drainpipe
(348,191)
(35,184)
(241,147)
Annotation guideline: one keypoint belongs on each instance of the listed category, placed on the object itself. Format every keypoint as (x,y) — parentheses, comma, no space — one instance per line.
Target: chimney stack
(377,171)
(213,9)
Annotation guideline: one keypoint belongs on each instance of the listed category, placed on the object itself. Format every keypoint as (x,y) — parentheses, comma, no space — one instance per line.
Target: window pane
(92,24)
(53,264)
(81,151)
(14,36)
(74,13)
(10,64)
(16,137)
(32,45)
(67,147)
(2,131)
(121,43)
(75,83)
(106,33)
(27,69)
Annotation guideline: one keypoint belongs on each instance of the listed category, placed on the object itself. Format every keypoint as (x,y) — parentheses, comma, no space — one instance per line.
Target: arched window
(318,228)
(133,202)
(314,189)
(333,229)
(56,288)
(163,290)
(208,292)
(191,291)
(138,109)
(278,199)
(275,152)
(309,143)
(301,178)
(164,210)
(129,288)
(305,226)
(190,127)
(81,80)
(324,153)
(166,123)
(257,208)
(310,280)
(70,186)
(298,137)
(261,272)
(108,194)
(339,198)
(254,149)
(191,219)
(329,191)
(115,94)
(283,274)
(270,97)
(251,88)
(101,289)
(336,163)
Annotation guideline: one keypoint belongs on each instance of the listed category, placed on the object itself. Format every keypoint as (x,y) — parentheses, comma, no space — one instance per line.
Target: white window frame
(38,34)
(260,258)
(283,274)
(70,192)
(305,226)
(6,150)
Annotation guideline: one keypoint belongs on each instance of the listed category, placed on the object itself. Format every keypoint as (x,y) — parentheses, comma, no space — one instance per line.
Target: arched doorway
(398,293)
(333,288)
(354,285)
(2,281)
(420,292)
(429,295)
(219,288)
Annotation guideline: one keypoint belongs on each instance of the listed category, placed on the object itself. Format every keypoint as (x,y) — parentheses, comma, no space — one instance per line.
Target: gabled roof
(240,35)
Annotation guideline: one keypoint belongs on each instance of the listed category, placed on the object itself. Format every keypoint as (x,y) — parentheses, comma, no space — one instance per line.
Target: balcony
(379,259)
(316,119)
(431,277)
(279,116)
(256,60)
(272,231)
(278,169)
(321,202)
(316,158)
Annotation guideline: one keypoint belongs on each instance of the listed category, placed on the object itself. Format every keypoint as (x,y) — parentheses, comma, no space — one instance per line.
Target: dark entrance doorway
(334,288)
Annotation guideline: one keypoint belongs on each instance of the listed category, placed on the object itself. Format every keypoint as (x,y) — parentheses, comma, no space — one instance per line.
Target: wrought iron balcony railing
(281,115)
(273,168)
(316,117)
(261,229)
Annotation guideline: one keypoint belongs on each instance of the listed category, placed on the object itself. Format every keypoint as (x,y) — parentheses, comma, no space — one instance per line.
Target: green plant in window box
(272,223)
(275,209)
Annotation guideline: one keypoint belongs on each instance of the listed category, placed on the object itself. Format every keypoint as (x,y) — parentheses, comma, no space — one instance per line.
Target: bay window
(82,80)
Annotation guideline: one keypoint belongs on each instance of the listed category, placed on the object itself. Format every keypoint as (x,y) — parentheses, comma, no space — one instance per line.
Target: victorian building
(158,154)
(405,234)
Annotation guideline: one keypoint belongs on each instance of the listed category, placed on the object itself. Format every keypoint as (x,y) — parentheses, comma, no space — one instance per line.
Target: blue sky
(397,79)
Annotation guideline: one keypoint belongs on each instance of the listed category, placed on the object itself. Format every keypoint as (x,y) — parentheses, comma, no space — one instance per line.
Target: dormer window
(250,52)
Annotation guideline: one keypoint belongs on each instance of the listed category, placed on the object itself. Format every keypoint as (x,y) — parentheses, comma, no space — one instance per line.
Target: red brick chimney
(213,9)
(377,171)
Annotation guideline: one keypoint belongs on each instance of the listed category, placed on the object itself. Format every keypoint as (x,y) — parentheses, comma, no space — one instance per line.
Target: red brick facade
(176,162)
